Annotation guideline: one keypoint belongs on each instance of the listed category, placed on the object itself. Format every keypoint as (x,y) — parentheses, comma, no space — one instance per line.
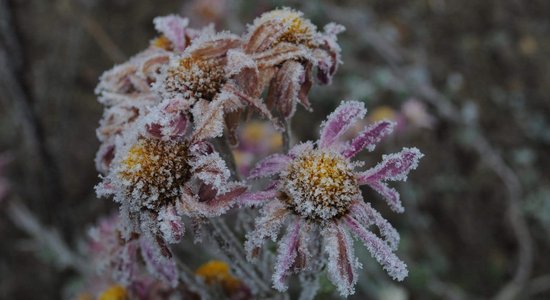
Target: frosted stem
(231,247)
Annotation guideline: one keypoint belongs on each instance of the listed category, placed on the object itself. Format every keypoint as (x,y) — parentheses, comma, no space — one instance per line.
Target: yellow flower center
(154,171)
(319,185)
(196,77)
(299,30)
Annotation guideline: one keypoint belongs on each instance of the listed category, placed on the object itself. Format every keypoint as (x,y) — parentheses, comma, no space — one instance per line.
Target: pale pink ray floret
(317,184)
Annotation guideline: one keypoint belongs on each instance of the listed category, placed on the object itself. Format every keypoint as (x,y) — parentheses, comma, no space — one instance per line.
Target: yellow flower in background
(114,292)
(217,272)
(383,112)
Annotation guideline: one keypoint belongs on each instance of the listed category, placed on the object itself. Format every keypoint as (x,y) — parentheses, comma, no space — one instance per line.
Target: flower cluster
(171,109)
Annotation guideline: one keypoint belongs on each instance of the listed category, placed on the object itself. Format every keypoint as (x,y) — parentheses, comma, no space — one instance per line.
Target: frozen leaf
(208,119)
(170,225)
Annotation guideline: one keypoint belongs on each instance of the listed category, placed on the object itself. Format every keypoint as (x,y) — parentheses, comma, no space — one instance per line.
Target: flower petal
(211,169)
(367,216)
(368,138)
(270,165)
(378,249)
(285,87)
(342,263)
(170,224)
(273,216)
(159,261)
(255,198)
(339,121)
(286,255)
(173,27)
(393,167)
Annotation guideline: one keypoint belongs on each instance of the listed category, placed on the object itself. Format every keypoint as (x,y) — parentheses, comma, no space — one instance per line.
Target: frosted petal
(379,250)
(367,216)
(339,121)
(272,217)
(270,165)
(173,27)
(368,138)
(286,255)
(393,167)
(342,263)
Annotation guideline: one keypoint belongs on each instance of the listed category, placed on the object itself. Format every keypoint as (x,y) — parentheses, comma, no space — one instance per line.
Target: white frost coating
(272,217)
(208,117)
(342,263)
(340,120)
(300,149)
(379,250)
(367,216)
(287,252)
(237,61)
(211,169)
(269,166)
(396,166)
(170,225)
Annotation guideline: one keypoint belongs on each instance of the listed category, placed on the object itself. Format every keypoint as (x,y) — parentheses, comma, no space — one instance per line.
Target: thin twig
(45,237)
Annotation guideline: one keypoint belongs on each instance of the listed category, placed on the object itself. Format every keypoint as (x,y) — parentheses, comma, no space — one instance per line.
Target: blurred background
(467,81)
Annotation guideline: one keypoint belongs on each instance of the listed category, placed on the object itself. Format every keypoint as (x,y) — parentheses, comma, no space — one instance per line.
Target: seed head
(153,171)
(319,185)
(196,77)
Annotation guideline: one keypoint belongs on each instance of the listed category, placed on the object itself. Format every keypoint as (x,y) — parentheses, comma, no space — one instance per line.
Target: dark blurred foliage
(477,219)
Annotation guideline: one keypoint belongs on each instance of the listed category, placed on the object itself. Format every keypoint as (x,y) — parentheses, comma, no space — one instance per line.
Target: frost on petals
(342,263)
(379,250)
(368,138)
(393,167)
(270,165)
(173,27)
(286,256)
(339,121)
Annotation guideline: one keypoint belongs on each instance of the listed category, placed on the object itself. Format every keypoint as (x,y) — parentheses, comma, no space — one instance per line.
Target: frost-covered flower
(125,263)
(161,172)
(286,47)
(125,90)
(316,193)
(209,71)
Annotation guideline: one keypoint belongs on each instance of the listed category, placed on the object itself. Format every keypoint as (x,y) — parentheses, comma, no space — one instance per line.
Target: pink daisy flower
(316,195)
